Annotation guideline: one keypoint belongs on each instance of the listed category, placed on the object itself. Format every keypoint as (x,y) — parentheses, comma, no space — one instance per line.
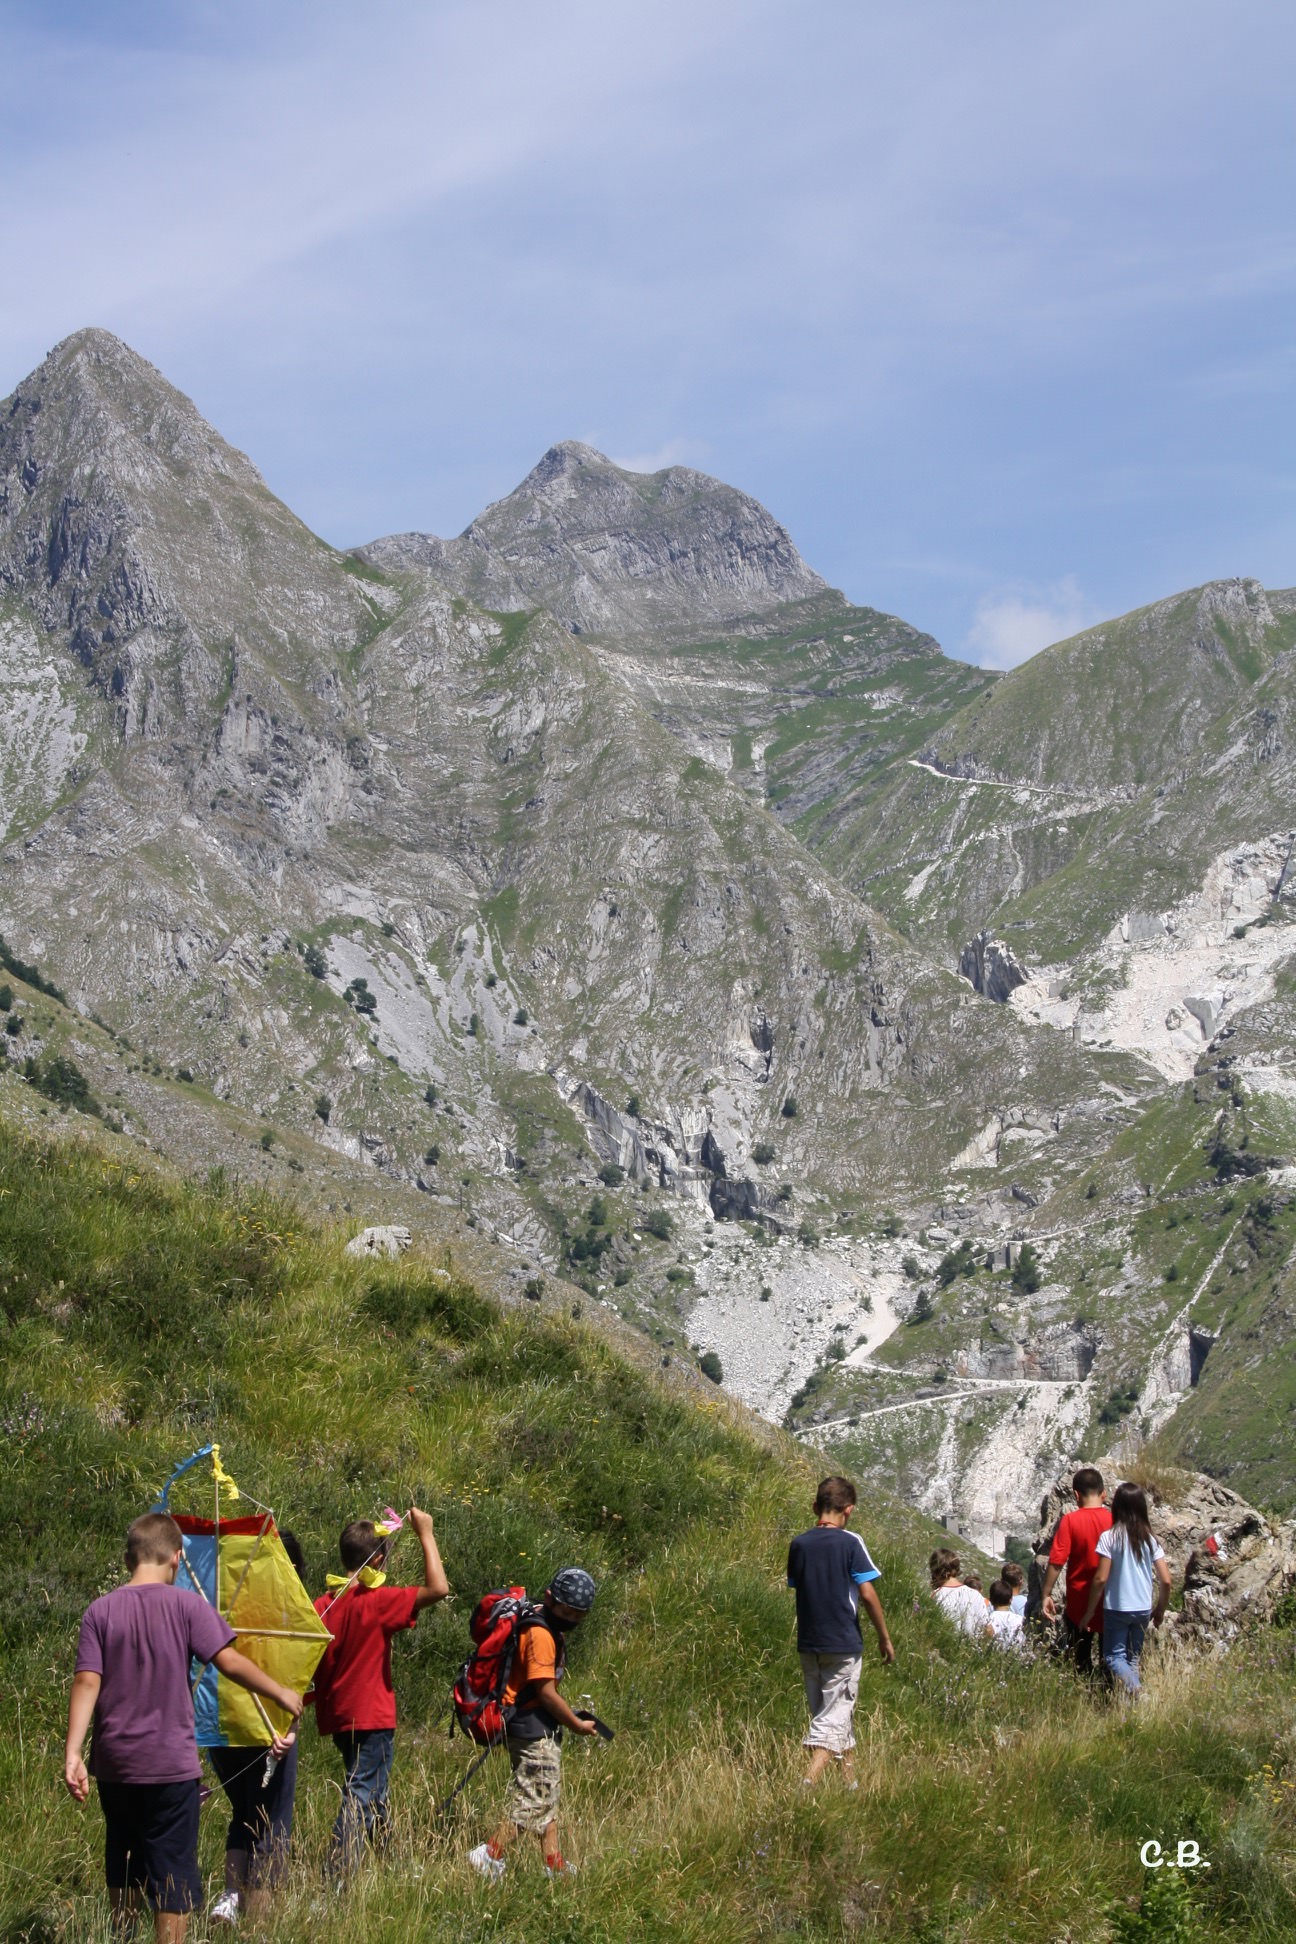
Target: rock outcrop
(991,968)
(390,1240)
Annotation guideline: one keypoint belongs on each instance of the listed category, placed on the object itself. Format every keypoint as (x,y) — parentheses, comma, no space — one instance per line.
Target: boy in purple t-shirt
(132,1679)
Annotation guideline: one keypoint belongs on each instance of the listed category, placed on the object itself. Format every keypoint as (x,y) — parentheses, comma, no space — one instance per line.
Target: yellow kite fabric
(239,1565)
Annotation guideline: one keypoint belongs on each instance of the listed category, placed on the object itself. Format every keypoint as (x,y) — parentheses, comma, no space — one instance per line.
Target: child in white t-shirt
(1007,1629)
(959,1603)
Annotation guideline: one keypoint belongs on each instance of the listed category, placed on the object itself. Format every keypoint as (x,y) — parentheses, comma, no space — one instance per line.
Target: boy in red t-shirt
(355,1701)
(1075,1547)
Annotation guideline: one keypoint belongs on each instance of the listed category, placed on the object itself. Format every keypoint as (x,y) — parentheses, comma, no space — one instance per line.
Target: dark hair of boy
(292,1546)
(1087,1482)
(1000,1593)
(835,1495)
(1012,1575)
(1129,1510)
(944,1565)
(152,1540)
(361,1545)
(973,1580)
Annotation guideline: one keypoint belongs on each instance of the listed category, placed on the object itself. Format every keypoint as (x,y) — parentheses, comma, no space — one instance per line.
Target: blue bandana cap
(574,1588)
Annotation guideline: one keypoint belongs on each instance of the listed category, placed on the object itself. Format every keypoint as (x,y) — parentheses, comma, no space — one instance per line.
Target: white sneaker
(491,1867)
(225,1910)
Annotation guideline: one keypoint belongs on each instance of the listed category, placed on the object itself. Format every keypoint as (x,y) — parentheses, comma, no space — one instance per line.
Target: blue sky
(991,305)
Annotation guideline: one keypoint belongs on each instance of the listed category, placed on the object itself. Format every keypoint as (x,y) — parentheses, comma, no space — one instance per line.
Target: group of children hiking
(1117,1584)
(132,1687)
(137,1643)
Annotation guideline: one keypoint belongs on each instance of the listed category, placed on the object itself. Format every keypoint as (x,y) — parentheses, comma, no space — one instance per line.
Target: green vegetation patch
(513,628)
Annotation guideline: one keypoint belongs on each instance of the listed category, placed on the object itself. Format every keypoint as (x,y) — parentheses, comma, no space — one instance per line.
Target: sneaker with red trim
(486,1863)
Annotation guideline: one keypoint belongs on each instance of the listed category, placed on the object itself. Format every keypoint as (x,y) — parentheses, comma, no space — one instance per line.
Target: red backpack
(478,1695)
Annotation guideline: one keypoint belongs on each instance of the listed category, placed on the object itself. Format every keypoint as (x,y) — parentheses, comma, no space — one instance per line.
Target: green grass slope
(143,1315)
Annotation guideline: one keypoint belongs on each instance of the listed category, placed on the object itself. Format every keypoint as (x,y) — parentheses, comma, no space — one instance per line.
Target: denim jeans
(1123,1643)
(366,1766)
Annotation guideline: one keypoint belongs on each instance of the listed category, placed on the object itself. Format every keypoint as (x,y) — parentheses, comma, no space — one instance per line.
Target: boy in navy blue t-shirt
(833,1576)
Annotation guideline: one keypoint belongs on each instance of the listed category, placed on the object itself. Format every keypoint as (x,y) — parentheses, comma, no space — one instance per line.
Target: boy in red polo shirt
(1075,1546)
(355,1701)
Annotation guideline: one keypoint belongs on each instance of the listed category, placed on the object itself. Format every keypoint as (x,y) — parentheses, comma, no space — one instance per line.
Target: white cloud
(674,452)
(1011,627)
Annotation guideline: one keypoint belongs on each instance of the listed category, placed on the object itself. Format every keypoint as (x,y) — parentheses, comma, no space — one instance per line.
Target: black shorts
(151,1841)
(260,1817)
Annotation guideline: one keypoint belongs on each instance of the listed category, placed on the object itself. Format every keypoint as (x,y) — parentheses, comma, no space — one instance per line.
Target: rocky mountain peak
(95,407)
(611,551)
(563,461)
(128,522)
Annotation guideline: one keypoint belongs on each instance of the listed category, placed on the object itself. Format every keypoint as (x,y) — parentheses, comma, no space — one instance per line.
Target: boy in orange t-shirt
(1075,1547)
(536,1715)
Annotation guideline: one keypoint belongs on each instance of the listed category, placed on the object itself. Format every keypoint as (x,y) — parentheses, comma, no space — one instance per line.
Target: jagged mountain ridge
(611,552)
(472,815)
(701,604)
(128,524)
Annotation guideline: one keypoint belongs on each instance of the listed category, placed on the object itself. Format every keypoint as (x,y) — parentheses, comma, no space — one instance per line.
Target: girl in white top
(1130,1566)
(959,1603)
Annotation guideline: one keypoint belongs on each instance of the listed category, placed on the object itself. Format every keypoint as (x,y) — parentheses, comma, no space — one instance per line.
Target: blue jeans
(366,1767)
(1123,1643)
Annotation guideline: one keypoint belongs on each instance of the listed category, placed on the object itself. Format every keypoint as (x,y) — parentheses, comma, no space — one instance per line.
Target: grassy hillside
(142,1315)
(1034,815)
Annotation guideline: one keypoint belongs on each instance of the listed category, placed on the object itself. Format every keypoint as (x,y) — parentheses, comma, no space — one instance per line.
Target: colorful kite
(240,1567)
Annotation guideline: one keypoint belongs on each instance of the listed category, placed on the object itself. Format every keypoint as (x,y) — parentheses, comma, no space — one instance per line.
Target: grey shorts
(537,1783)
(831,1685)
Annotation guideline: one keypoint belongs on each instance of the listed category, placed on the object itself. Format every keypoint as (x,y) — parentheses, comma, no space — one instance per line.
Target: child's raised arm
(435,1584)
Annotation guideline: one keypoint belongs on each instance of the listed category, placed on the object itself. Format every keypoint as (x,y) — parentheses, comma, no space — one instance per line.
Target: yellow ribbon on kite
(223,1479)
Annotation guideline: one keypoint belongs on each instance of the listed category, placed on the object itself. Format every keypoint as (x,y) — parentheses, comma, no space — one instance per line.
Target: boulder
(392,1240)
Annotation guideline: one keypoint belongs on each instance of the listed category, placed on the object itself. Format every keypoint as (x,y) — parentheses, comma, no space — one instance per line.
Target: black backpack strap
(536,1617)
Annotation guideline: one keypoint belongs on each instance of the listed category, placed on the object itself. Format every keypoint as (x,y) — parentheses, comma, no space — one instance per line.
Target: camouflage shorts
(537,1783)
